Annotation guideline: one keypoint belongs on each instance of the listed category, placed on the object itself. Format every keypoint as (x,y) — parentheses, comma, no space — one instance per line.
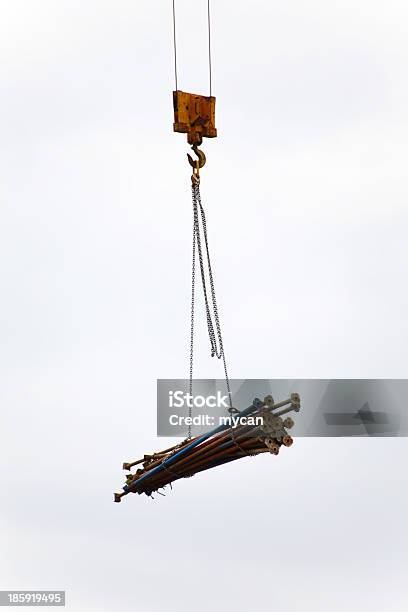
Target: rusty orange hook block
(194,115)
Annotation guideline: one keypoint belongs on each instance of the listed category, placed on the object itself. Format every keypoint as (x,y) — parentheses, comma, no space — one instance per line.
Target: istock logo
(178,399)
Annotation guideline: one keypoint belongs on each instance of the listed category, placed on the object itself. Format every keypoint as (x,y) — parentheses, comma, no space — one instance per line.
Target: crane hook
(198,163)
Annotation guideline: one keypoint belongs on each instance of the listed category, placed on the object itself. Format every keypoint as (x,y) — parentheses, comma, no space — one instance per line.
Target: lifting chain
(214,328)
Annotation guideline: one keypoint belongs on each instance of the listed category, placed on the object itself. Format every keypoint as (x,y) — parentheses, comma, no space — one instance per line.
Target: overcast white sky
(306,197)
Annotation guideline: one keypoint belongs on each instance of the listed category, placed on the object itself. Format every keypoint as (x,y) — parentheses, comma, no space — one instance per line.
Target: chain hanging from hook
(200,235)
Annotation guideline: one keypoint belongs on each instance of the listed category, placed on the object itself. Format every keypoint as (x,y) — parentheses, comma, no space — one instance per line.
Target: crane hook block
(194,115)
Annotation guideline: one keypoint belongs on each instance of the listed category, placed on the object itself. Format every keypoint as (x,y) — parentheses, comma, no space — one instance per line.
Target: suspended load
(266,433)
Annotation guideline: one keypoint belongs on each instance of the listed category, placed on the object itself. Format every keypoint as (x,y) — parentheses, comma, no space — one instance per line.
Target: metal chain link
(215,335)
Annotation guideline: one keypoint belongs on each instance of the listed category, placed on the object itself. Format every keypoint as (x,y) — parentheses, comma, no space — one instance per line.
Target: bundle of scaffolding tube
(266,432)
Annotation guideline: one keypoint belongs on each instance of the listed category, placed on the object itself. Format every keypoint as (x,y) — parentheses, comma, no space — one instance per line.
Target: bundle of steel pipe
(258,429)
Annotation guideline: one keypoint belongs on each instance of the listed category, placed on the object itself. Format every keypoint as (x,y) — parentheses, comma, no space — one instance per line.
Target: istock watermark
(179,399)
(330,407)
